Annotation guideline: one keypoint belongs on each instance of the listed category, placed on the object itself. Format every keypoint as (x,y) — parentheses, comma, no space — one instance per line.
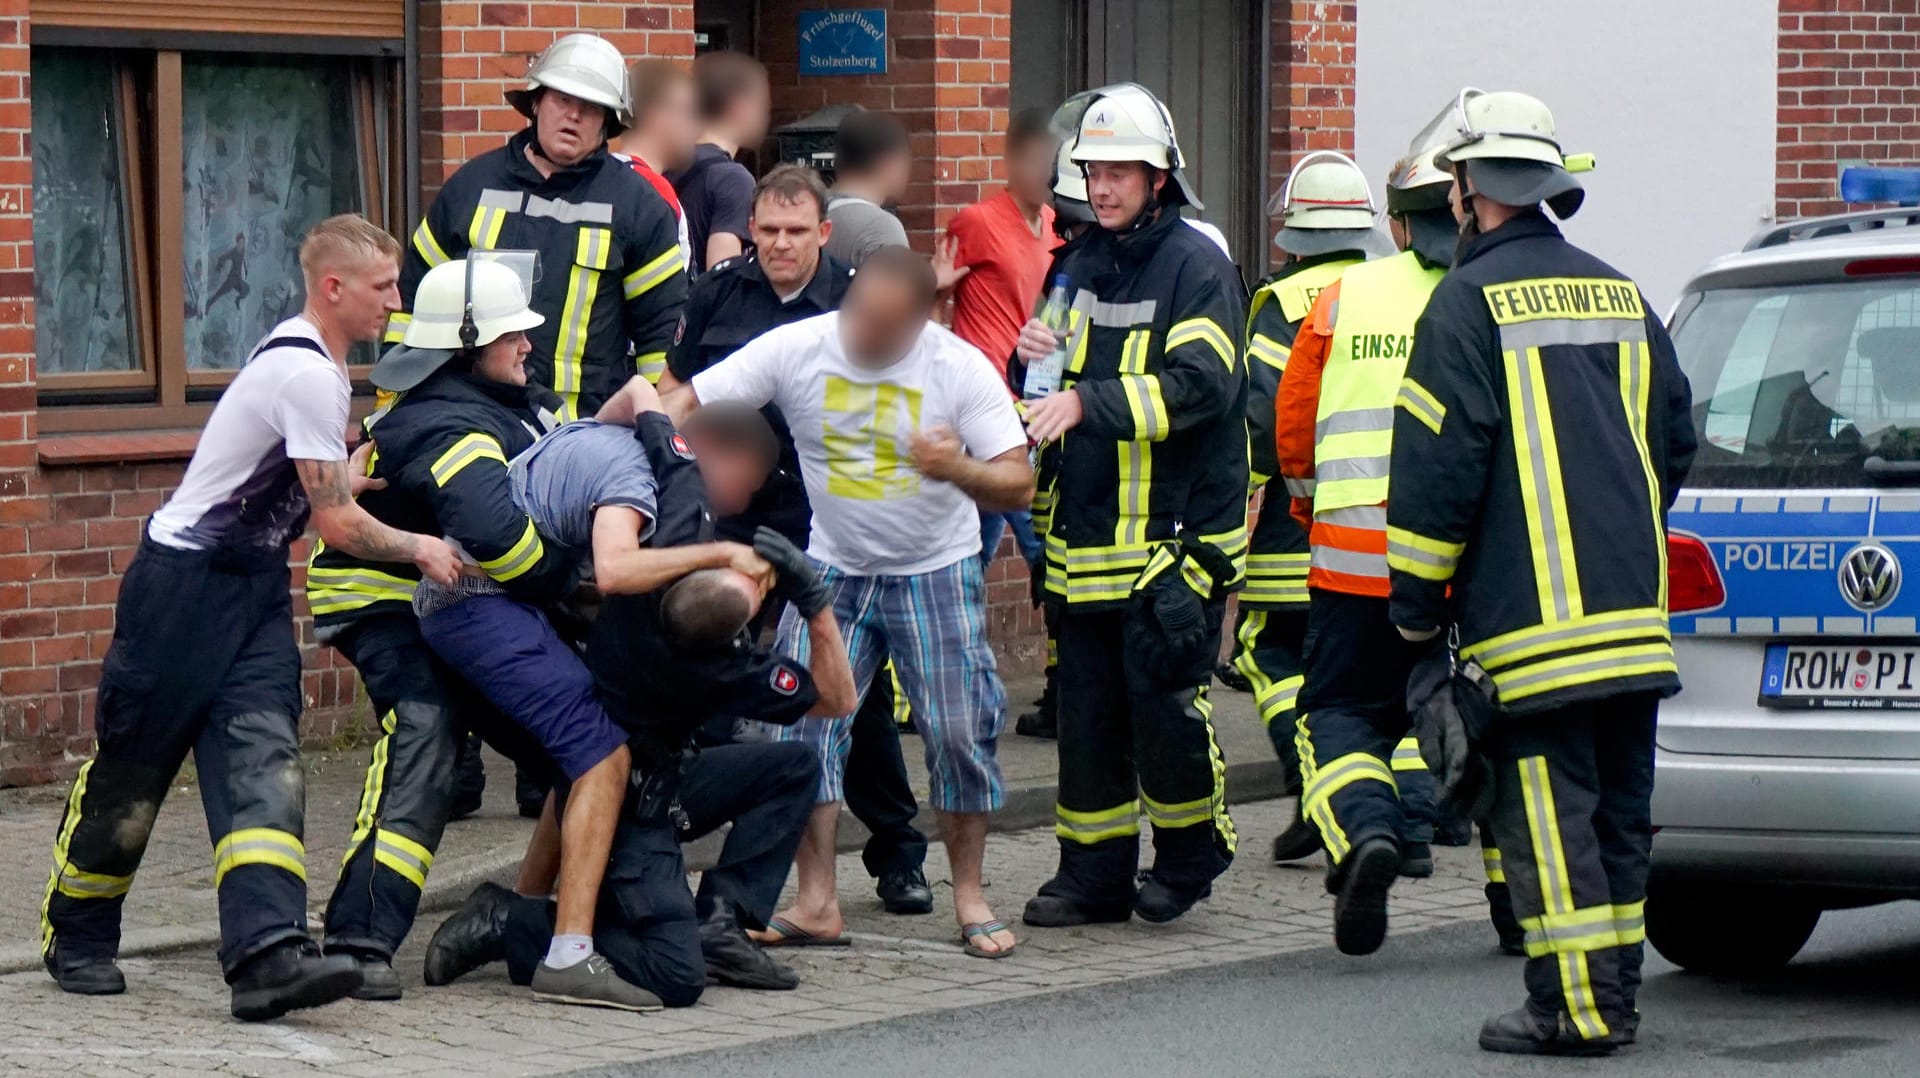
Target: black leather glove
(1166,638)
(1452,708)
(797,578)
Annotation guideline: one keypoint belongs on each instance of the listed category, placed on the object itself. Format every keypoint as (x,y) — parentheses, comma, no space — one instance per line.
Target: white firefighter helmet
(1326,206)
(1124,122)
(586,66)
(1509,149)
(465,303)
(1070,189)
(1417,196)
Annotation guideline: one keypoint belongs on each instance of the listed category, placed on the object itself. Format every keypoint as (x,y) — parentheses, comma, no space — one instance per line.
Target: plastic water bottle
(1043,377)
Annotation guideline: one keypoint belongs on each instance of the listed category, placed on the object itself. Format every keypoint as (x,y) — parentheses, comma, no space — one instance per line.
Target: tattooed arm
(347,527)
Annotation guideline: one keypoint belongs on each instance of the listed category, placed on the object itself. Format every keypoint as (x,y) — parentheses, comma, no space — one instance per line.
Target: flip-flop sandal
(969,933)
(788,934)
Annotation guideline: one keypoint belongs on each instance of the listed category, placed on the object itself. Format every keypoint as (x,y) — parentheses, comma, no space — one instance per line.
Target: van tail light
(1693,582)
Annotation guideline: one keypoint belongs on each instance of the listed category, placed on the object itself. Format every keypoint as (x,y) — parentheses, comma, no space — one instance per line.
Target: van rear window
(1803,385)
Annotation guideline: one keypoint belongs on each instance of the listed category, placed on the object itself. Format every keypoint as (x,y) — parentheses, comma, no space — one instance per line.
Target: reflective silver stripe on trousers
(573,213)
(1532,393)
(1577,331)
(1339,468)
(1355,421)
(1655,624)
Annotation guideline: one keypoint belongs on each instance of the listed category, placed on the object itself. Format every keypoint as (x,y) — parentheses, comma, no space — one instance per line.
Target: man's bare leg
(965,836)
(540,865)
(586,841)
(816,906)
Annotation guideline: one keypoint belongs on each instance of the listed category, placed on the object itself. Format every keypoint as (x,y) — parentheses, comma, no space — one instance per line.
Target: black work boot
(529,792)
(1360,902)
(1053,907)
(736,961)
(905,891)
(1229,675)
(1416,860)
(378,982)
(85,976)
(1160,900)
(475,935)
(1301,839)
(289,977)
(1524,1033)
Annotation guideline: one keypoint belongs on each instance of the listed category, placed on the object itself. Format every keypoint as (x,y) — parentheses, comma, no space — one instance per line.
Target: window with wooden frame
(175,171)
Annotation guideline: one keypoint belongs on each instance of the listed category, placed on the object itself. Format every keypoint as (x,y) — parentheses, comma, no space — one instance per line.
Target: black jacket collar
(1528,225)
(461,387)
(819,292)
(523,169)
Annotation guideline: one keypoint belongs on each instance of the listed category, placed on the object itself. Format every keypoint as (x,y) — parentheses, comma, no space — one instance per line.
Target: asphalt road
(1844,1009)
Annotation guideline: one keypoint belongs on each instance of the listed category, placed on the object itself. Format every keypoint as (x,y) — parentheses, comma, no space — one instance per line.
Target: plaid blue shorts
(934,627)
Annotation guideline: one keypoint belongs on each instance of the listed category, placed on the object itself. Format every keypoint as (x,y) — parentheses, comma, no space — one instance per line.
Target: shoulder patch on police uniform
(680,447)
(680,329)
(784,681)
(726,263)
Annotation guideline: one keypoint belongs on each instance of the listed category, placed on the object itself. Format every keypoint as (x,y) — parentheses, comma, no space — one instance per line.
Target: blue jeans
(992,525)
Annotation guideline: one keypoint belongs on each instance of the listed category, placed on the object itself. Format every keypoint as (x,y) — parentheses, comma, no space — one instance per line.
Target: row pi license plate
(1848,676)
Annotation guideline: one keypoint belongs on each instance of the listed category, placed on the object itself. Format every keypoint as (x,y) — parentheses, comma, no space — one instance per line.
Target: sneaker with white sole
(591,983)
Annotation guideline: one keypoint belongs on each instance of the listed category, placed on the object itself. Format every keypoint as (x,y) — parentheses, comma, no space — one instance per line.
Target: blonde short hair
(345,241)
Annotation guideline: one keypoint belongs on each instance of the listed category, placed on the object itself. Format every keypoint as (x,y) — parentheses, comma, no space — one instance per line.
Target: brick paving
(174,1018)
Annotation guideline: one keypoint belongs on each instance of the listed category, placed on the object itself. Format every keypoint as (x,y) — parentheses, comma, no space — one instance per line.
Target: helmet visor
(1448,125)
(524,264)
(1066,118)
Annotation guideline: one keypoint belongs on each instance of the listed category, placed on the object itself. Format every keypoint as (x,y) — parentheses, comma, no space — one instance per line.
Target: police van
(1788,768)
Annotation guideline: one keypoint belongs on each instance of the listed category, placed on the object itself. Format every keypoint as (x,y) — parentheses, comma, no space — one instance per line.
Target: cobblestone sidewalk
(173,1020)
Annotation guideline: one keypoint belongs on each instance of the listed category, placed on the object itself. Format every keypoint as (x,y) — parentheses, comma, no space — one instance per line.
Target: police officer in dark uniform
(664,664)
(1542,431)
(788,277)
(613,276)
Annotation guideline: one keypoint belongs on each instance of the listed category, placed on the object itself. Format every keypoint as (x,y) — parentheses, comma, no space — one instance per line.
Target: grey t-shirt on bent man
(861,228)
(568,474)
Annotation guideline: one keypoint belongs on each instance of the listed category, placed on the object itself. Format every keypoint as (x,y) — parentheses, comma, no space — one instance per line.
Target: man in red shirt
(666,127)
(1002,247)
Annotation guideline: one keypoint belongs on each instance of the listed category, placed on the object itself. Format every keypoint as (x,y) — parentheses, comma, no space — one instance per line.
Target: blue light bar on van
(1901,185)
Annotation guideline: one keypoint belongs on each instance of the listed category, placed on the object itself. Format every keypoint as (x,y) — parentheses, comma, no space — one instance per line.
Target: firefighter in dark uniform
(664,664)
(1147,534)
(204,656)
(364,609)
(613,276)
(1542,431)
(788,277)
(1327,214)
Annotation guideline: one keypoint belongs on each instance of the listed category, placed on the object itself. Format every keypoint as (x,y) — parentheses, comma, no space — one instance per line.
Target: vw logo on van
(1869,577)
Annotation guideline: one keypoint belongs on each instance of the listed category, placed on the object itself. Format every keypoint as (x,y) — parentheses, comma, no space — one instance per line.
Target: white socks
(566,952)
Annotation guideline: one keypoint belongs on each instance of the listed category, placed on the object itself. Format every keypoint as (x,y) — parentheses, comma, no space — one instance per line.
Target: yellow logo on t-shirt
(865,429)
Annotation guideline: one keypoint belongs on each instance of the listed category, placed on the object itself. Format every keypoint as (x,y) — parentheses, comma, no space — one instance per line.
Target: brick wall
(1312,85)
(1848,91)
(472,53)
(948,66)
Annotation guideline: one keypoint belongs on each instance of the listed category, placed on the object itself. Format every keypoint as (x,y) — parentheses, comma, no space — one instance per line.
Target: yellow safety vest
(1372,333)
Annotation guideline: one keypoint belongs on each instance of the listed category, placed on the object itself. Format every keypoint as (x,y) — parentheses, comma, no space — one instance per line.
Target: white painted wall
(1676,100)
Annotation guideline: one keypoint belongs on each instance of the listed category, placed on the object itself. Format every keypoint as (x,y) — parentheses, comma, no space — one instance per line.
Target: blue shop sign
(850,41)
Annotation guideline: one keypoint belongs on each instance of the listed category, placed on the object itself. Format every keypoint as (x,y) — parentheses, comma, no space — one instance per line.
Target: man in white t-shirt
(901,429)
(204,657)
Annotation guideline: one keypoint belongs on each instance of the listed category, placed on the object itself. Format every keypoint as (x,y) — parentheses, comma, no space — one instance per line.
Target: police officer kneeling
(1542,431)
(663,664)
